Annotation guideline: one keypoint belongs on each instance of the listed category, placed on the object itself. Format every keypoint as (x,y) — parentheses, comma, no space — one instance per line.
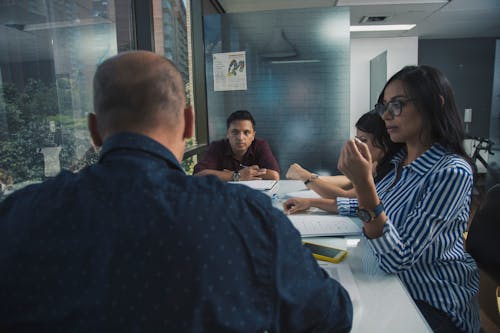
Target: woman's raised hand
(355,161)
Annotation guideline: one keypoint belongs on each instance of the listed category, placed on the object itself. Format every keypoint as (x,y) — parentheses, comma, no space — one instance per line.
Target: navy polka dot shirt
(132,244)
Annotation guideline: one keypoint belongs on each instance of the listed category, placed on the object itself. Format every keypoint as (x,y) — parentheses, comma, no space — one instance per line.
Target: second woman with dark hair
(370,129)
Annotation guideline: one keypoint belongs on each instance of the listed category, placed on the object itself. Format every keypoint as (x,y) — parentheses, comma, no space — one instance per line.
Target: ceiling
(434,19)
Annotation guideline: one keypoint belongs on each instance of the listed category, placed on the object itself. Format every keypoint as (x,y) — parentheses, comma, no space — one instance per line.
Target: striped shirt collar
(424,162)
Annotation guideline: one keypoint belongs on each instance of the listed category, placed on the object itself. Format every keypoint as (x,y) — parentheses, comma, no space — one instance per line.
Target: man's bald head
(137,91)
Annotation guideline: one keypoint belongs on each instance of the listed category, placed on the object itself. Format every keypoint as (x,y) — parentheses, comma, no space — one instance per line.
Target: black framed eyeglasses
(361,138)
(394,108)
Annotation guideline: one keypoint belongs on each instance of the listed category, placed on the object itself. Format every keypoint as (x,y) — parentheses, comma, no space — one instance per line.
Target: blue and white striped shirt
(427,210)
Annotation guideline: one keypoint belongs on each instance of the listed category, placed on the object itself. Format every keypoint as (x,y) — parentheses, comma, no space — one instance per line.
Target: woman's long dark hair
(435,100)
(372,123)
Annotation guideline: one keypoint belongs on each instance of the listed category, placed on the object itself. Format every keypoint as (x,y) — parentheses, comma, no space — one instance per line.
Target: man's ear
(94,133)
(441,99)
(188,122)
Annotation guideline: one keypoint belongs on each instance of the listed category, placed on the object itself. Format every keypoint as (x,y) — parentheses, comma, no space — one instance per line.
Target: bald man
(132,244)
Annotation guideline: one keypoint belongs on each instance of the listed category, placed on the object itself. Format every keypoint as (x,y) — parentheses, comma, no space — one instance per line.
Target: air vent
(373,19)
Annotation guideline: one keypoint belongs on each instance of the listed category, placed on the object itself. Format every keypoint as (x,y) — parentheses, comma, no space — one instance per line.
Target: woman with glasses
(415,216)
(370,129)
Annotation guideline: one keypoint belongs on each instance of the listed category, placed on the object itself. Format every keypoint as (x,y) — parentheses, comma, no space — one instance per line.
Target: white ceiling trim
(386,2)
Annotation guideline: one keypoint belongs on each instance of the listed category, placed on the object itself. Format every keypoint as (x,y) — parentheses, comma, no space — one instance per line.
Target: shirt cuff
(387,242)
(347,206)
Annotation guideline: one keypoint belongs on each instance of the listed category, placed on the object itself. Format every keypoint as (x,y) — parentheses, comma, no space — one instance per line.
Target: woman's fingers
(354,159)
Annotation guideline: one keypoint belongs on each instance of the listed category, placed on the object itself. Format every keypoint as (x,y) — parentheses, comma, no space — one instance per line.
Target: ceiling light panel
(393,27)
(385,2)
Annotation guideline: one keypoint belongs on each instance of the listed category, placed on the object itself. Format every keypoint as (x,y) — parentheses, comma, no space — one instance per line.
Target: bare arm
(340,181)
(330,190)
(327,187)
(294,205)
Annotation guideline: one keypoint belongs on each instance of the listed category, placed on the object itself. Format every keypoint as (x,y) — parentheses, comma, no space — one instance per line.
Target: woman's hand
(295,205)
(355,162)
(374,169)
(296,172)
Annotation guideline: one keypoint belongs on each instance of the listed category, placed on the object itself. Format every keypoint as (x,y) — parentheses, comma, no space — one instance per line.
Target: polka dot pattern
(133,244)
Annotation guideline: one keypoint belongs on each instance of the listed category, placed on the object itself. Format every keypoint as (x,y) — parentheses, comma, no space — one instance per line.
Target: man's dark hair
(240,115)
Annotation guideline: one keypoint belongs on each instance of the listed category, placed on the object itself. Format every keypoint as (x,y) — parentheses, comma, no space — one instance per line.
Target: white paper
(324,225)
(261,185)
(303,194)
(230,71)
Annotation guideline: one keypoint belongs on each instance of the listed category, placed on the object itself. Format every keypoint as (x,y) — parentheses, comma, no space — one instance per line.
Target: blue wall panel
(301,108)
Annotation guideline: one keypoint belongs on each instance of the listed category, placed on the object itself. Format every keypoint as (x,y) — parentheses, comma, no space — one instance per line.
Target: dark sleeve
(482,239)
(265,157)
(211,159)
(308,299)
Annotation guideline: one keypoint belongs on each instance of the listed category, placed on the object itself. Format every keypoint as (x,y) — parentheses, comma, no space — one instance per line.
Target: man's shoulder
(64,176)
(260,145)
(454,162)
(210,185)
(224,204)
(259,141)
(218,148)
(39,193)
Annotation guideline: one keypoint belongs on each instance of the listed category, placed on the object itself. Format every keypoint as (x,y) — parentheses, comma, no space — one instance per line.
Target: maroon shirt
(219,156)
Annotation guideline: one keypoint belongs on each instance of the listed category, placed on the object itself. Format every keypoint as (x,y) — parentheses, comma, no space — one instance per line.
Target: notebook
(324,225)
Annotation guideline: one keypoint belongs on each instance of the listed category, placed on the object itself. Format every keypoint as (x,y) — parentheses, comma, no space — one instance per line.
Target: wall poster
(230,71)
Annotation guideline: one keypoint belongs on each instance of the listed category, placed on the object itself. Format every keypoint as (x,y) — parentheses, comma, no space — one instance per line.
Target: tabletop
(381,302)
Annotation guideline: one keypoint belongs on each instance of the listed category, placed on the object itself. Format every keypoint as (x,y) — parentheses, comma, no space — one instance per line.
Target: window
(172,26)
(49,51)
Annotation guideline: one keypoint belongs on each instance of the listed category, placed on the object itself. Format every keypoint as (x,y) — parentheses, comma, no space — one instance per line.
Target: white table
(384,304)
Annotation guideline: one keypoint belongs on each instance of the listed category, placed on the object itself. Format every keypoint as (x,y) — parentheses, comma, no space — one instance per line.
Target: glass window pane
(49,51)
(295,75)
(171,29)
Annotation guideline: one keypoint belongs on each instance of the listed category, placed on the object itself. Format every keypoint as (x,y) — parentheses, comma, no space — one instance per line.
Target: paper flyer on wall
(230,71)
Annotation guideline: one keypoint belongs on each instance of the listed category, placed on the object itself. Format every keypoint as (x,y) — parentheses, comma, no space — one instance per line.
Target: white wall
(494,160)
(400,52)
(495,102)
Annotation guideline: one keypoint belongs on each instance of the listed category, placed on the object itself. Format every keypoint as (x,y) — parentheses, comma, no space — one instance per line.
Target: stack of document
(311,225)
(267,186)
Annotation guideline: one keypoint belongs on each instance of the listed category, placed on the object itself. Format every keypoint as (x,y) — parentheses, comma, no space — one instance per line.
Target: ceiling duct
(279,46)
(373,19)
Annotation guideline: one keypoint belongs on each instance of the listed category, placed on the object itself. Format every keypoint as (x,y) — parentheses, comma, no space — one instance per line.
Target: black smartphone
(326,253)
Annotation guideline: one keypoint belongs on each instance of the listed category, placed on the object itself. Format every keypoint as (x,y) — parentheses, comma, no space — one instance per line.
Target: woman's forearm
(329,205)
(368,199)
(330,190)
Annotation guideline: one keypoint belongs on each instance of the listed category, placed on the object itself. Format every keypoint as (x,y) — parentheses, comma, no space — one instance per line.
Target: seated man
(132,244)
(240,156)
